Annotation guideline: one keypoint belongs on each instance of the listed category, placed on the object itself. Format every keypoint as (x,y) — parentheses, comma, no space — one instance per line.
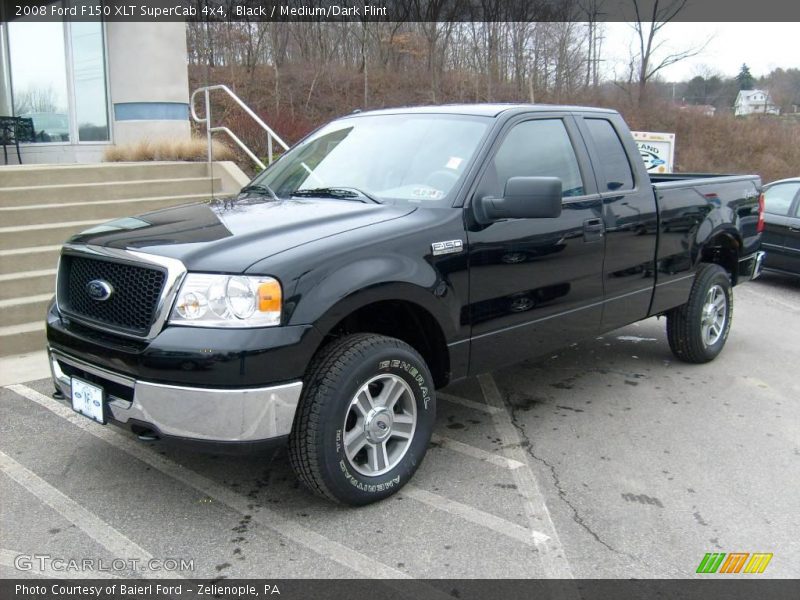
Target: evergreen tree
(745,78)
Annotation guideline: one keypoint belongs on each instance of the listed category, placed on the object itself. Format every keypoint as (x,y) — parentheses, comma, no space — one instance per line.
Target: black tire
(685,323)
(335,376)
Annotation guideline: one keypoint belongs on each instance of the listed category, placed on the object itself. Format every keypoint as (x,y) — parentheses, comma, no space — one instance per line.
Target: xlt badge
(448,247)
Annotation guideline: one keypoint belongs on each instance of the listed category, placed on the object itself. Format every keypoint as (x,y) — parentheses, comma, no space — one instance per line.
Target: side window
(540,148)
(778,198)
(615,169)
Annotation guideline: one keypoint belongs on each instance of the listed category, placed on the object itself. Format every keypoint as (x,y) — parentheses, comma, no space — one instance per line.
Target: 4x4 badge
(448,247)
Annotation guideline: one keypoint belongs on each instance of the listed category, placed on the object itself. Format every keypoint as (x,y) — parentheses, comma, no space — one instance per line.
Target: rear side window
(615,169)
(539,148)
(778,198)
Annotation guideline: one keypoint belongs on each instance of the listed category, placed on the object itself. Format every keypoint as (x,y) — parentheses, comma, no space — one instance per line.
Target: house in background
(754,102)
(83,86)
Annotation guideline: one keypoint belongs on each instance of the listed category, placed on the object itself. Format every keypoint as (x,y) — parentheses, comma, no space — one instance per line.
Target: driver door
(536,284)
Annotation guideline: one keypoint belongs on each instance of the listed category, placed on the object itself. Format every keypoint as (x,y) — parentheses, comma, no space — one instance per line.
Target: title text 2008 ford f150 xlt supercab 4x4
(384,256)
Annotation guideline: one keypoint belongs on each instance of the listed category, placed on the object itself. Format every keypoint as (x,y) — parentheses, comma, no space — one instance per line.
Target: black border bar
(712,587)
(710,11)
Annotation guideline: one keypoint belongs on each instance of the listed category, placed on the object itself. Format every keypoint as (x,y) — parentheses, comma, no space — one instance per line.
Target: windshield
(405,157)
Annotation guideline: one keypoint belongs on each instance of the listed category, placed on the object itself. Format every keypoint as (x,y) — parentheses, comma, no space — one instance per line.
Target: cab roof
(482,110)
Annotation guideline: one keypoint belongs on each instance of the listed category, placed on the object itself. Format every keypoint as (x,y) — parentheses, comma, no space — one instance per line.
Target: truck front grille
(132,306)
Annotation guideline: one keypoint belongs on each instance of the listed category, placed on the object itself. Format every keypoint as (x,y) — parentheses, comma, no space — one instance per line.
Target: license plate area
(88,399)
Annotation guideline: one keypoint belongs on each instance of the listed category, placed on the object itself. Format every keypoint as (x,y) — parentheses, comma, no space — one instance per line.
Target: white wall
(147,65)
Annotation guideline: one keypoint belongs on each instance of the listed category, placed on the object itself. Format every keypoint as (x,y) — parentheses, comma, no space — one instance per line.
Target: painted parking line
(473,452)
(489,410)
(101,532)
(551,552)
(285,527)
(474,515)
(8,558)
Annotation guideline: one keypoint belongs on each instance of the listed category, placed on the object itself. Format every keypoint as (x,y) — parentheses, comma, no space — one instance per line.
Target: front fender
(324,297)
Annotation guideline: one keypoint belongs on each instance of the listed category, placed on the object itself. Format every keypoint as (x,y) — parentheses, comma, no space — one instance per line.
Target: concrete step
(47,234)
(106,209)
(117,190)
(29,259)
(16,311)
(25,337)
(27,283)
(32,175)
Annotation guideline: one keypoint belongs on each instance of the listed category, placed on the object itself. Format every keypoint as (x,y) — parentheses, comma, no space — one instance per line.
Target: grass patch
(193,149)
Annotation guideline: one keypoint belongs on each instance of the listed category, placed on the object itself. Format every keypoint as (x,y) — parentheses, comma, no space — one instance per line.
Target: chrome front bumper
(207,414)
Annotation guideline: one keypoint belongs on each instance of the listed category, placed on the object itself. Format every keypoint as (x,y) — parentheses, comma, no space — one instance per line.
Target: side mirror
(524,198)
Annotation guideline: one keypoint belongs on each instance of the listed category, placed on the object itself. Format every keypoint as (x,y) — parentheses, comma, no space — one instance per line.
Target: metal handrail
(271,135)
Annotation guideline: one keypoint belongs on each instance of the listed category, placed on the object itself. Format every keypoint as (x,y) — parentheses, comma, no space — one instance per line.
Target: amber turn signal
(269,297)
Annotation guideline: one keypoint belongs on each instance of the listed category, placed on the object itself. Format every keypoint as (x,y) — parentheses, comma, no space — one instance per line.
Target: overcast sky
(763,46)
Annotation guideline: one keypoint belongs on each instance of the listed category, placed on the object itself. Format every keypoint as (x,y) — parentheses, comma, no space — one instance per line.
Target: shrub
(193,149)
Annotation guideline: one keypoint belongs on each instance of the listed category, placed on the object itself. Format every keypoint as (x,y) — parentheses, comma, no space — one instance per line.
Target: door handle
(593,230)
(794,229)
(593,225)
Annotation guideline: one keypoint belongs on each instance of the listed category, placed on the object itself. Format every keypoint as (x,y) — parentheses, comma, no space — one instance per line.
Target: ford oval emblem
(99,290)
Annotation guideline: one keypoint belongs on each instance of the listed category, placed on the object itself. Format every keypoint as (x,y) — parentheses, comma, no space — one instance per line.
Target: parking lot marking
(285,527)
(474,515)
(551,552)
(101,532)
(468,403)
(472,451)
(752,291)
(8,558)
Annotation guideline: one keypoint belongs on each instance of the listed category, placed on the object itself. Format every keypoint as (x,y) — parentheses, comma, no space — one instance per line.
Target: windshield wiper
(340,193)
(259,188)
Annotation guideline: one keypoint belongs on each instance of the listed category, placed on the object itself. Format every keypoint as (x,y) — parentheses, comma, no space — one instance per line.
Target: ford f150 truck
(384,256)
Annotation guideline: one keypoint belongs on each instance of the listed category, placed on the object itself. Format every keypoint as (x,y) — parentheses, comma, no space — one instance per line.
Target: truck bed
(693,207)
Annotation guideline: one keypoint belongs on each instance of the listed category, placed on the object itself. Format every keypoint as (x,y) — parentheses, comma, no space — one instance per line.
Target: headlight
(208,300)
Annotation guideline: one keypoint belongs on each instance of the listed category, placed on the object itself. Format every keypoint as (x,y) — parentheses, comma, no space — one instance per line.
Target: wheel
(365,419)
(698,330)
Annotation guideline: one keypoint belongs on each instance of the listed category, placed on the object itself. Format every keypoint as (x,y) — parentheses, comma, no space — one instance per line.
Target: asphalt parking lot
(608,459)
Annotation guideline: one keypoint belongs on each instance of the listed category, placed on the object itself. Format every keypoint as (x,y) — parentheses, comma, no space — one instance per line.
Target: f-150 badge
(448,247)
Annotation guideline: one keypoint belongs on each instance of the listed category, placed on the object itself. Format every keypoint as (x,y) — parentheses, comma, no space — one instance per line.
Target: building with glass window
(80,86)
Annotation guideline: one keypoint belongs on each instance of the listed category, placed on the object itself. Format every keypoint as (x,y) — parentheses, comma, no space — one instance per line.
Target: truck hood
(229,235)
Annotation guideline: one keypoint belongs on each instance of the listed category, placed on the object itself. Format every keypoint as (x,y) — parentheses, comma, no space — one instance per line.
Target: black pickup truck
(384,256)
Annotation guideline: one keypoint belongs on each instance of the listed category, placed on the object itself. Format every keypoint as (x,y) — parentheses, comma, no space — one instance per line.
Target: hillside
(301,97)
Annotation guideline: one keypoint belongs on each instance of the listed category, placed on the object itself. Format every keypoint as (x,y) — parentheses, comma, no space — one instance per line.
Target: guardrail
(271,135)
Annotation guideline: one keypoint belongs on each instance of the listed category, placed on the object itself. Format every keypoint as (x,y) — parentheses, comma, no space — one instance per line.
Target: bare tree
(38,99)
(592,10)
(648,29)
